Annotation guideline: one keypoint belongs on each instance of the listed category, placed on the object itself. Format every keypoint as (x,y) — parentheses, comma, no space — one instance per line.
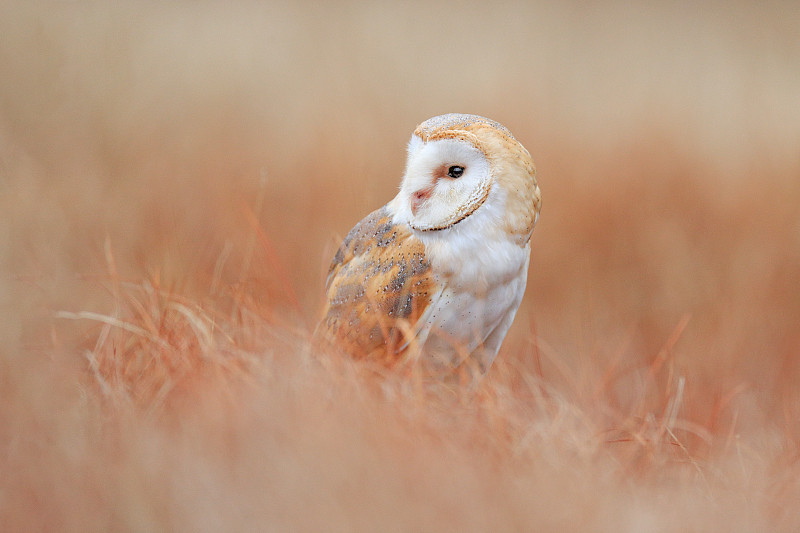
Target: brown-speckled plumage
(379,284)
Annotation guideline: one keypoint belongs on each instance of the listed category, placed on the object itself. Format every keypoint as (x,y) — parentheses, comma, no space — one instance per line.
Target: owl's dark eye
(455,171)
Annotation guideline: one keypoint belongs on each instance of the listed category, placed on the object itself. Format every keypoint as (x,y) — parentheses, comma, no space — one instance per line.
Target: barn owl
(438,273)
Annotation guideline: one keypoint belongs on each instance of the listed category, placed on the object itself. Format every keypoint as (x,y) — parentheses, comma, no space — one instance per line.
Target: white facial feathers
(446,180)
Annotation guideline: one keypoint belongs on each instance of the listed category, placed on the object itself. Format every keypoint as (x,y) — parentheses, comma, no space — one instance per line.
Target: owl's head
(458,164)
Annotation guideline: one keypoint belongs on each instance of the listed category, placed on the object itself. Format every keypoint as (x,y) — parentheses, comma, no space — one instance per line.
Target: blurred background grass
(219,151)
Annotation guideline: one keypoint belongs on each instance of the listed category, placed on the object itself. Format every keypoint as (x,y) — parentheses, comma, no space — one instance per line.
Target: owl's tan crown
(437,126)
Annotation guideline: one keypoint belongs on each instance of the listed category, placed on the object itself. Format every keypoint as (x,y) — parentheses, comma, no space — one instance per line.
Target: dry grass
(174,181)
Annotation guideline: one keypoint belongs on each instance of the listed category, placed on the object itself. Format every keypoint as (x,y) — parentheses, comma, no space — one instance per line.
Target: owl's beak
(419,198)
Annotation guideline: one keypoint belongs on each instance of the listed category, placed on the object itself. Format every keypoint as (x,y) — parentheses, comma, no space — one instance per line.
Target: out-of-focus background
(174,180)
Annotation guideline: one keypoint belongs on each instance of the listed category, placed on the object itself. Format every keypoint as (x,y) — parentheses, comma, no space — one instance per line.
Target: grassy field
(174,181)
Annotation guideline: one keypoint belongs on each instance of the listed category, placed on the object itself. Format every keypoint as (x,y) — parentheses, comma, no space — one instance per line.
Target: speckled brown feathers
(379,285)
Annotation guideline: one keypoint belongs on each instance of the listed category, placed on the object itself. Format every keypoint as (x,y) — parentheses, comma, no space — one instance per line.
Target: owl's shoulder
(370,232)
(379,285)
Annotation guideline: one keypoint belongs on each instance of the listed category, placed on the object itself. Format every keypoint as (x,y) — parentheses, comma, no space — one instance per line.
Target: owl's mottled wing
(379,287)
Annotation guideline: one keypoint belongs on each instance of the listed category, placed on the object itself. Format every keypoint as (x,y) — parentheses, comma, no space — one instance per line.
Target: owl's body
(439,272)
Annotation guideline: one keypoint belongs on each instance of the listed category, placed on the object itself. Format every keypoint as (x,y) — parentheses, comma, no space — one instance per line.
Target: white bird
(438,273)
